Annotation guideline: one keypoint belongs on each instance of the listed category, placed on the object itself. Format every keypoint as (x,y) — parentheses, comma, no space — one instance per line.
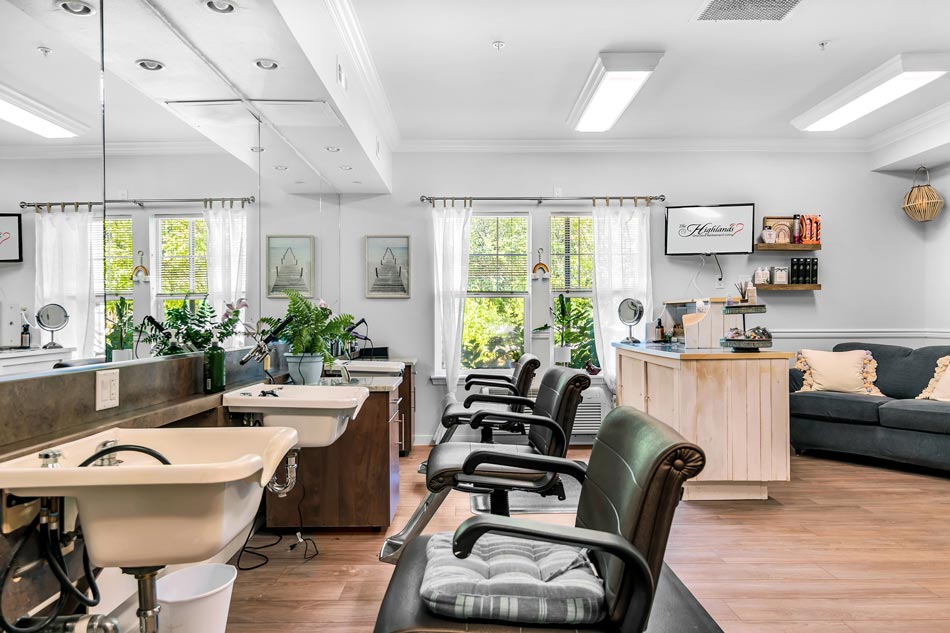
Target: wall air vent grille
(762,10)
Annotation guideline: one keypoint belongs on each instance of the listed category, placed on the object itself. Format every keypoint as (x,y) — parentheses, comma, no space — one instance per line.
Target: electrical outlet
(107,389)
(719,284)
(558,192)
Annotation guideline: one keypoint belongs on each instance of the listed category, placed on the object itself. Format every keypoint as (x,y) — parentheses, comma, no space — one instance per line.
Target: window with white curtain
(497,302)
(182,267)
(572,275)
(110,242)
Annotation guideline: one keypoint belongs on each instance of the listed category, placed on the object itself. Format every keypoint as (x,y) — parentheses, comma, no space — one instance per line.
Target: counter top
(680,352)
(375,384)
(20,352)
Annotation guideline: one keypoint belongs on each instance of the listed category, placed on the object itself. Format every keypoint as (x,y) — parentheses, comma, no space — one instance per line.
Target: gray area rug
(529,503)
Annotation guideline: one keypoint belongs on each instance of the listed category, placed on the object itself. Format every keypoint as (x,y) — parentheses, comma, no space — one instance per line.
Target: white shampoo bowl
(318,413)
(141,513)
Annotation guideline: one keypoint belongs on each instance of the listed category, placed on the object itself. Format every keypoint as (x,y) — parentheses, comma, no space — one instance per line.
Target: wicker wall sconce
(922,203)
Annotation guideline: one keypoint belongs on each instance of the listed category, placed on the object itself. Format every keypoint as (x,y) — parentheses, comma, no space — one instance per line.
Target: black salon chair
(516,386)
(629,494)
(549,430)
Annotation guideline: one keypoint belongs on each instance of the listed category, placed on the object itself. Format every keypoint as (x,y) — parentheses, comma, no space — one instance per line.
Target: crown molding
(632,145)
(149,148)
(351,32)
(911,127)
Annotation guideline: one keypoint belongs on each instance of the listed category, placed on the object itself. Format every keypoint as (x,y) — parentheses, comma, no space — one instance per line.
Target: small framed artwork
(782,225)
(11,237)
(387,266)
(290,265)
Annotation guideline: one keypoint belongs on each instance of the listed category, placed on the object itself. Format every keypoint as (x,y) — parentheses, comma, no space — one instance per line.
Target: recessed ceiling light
(498,45)
(885,84)
(280,167)
(345,167)
(257,150)
(266,64)
(614,81)
(24,112)
(77,7)
(44,50)
(330,148)
(149,64)
(220,6)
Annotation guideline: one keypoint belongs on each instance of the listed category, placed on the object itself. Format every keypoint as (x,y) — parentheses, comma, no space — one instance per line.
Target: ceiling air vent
(768,10)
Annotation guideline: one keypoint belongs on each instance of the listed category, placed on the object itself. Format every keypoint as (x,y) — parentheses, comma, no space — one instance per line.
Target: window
(182,267)
(112,254)
(572,275)
(493,335)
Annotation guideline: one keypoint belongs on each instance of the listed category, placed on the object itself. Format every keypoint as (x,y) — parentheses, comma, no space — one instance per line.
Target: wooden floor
(843,548)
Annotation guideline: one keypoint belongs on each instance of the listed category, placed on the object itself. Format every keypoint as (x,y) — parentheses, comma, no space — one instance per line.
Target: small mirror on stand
(630,312)
(52,317)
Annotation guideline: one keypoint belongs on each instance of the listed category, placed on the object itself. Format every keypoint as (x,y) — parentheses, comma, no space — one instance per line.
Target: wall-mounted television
(722,229)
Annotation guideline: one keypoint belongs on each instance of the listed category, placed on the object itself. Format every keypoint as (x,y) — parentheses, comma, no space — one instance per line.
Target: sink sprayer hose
(51,549)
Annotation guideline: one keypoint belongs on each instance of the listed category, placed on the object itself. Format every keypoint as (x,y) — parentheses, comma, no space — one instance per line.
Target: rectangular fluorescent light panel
(887,83)
(25,113)
(612,85)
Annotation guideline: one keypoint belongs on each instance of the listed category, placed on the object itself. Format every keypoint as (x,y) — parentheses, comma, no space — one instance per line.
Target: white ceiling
(718,79)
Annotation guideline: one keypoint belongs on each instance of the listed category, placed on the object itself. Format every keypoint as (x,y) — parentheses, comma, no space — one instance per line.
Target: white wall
(937,265)
(870,264)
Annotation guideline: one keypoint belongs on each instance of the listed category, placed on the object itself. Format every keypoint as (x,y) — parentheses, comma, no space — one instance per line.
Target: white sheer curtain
(64,274)
(621,269)
(452,228)
(227,261)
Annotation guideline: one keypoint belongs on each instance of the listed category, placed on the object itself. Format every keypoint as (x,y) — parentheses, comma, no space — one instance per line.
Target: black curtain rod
(541,199)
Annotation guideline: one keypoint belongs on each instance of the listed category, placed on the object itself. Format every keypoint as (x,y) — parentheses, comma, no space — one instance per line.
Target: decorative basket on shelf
(922,203)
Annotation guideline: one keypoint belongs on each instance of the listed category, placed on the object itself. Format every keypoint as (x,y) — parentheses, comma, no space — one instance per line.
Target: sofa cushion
(514,580)
(843,372)
(837,407)
(929,416)
(902,372)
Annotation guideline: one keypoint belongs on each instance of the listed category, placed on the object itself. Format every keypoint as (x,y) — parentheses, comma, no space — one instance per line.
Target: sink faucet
(111,459)
(50,458)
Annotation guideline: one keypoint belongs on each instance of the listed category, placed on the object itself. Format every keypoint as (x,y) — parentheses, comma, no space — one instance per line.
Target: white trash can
(196,599)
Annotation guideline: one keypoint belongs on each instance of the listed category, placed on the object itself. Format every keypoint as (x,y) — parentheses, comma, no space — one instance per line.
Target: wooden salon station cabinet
(353,483)
(733,405)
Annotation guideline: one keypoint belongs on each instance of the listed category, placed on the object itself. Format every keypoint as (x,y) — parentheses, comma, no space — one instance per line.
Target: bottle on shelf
(659,332)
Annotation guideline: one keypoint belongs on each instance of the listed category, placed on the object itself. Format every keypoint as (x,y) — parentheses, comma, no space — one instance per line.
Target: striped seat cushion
(514,580)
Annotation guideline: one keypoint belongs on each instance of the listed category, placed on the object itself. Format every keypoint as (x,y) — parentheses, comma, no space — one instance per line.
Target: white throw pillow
(845,372)
(939,387)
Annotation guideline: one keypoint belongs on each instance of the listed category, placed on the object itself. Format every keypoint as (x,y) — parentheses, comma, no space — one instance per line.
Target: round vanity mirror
(52,317)
(630,312)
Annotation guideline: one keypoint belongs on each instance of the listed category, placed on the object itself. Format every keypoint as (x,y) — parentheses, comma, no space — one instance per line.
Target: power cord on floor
(307,542)
(253,551)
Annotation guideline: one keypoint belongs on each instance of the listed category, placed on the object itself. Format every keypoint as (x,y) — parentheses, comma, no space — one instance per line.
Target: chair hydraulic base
(392,548)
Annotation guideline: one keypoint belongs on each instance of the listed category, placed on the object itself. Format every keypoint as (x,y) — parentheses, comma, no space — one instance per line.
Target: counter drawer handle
(396,402)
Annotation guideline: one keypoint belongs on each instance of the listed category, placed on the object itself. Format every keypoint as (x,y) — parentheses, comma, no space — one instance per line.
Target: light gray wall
(937,265)
(870,263)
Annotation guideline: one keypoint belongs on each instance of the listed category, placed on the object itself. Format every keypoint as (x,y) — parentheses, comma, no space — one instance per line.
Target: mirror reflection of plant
(121,334)
(196,328)
(314,328)
(573,319)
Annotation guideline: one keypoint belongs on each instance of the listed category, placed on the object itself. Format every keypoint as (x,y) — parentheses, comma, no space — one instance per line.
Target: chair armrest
(497,384)
(494,377)
(638,612)
(497,399)
(544,463)
(796,380)
(481,418)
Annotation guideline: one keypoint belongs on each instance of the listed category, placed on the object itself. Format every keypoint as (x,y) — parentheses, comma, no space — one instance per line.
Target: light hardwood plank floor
(842,548)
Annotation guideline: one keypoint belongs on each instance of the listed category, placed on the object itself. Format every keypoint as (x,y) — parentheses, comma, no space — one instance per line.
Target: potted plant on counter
(574,334)
(311,333)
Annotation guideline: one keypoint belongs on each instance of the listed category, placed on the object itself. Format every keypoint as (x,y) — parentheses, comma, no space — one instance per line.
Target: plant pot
(562,355)
(305,369)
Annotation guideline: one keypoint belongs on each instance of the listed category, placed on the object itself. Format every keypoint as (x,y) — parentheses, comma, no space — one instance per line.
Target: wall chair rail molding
(860,334)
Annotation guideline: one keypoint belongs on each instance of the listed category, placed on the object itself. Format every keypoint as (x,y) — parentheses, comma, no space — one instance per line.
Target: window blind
(498,258)
(572,253)
(110,241)
(183,244)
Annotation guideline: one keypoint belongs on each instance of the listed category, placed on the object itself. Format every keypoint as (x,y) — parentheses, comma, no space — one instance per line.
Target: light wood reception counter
(734,406)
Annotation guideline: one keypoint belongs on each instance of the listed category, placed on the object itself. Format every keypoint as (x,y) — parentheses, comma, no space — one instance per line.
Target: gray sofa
(895,426)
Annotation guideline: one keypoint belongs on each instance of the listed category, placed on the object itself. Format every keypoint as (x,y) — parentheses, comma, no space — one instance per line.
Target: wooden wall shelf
(788,247)
(787,287)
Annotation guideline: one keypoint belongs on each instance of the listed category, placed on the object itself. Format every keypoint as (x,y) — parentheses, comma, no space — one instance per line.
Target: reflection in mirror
(51,174)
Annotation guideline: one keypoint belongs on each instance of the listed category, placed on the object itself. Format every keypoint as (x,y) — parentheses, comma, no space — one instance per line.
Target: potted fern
(311,334)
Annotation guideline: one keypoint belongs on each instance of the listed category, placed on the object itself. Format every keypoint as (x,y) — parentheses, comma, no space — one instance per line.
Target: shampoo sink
(137,512)
(318,413)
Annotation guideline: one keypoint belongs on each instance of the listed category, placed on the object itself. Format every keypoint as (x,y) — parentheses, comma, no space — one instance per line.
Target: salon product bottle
(215,374)
(814,270)
(174,346)
(658,333)
(25,336)
(797,229)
